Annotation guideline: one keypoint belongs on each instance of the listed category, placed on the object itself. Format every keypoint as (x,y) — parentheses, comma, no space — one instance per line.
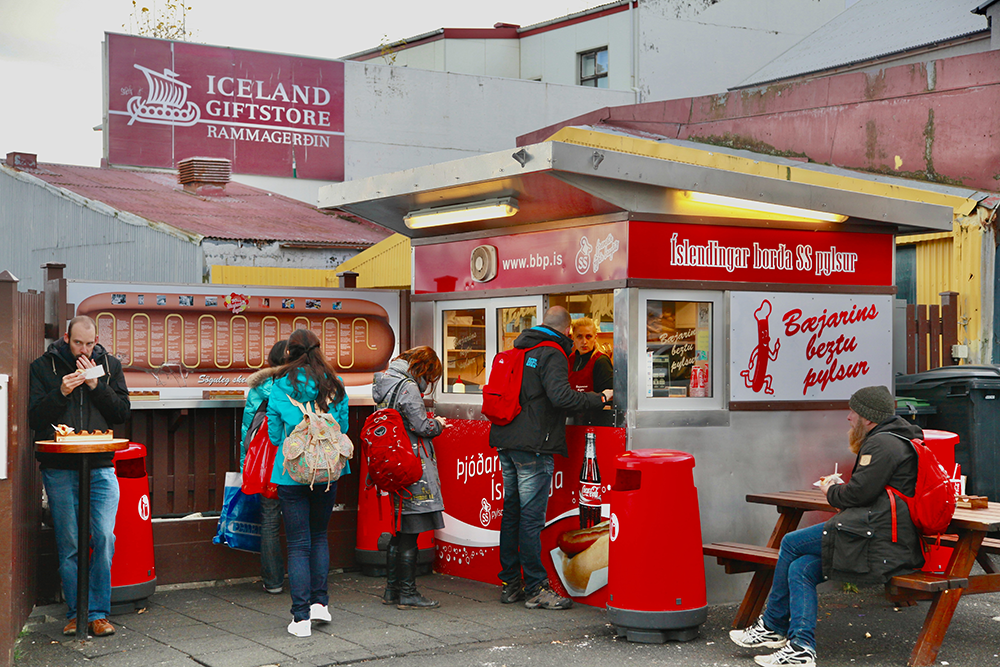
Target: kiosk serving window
(464,350)
(471,332)
(683,348)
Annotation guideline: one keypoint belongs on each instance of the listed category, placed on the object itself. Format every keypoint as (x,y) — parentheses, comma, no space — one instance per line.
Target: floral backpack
(316,450)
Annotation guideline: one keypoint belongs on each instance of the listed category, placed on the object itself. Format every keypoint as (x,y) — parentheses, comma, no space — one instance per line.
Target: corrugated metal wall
(40,225)
(270,275)
(954,262)
(386,264)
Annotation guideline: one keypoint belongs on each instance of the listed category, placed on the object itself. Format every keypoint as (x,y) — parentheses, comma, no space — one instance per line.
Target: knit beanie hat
(875,404)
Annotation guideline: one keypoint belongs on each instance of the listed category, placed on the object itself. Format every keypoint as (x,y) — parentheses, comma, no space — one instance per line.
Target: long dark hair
(303,353)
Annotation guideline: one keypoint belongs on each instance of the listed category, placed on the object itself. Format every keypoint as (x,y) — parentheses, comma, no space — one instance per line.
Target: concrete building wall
(552,56)
(698,48)
(396,118)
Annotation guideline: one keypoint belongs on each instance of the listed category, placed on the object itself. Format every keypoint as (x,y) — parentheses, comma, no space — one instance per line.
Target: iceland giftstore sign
(270,114)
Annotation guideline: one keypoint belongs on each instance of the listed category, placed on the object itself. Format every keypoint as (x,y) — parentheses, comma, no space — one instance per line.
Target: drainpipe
(633,21)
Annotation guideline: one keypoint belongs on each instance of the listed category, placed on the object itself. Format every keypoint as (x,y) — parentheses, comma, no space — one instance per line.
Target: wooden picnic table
(968,527)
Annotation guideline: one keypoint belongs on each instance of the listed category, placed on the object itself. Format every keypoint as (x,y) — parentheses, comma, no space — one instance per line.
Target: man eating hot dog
(865,542)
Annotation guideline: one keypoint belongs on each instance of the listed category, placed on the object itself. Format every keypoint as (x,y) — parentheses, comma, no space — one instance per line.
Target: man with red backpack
(867,541)
(525,447)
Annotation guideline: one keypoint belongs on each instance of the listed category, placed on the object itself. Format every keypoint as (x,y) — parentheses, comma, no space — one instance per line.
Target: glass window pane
(602,61)
(678,348)
(464,350)
(511,322)
(602,82)
(591,83)
(587,65)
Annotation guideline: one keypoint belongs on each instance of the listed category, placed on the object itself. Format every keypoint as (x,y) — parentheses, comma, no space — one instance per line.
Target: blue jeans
(307,514)
(63,490)
(526,480)
(792,603)
(272,566)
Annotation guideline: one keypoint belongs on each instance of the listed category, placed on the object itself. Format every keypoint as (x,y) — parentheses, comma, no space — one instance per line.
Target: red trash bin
(374,519)
(133,570)
(656,571)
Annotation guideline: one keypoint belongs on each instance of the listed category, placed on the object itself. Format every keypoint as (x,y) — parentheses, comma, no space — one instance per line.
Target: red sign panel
(669,251)
(472,488)
(558,257)
(270,114)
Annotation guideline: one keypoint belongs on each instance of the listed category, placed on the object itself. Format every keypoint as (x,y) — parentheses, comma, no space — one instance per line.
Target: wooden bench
(737,558)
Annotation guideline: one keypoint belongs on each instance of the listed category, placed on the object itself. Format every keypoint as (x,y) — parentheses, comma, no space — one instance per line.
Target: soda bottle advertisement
(472,489)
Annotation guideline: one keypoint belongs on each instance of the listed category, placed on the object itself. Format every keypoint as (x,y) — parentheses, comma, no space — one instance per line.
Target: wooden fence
(22,317)
(931,331)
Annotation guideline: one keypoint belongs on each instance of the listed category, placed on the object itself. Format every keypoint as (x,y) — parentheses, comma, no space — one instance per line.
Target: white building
(657,49)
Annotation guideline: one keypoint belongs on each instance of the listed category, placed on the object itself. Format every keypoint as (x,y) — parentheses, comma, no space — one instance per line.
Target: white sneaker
(791,654)
(320,612)
(757,636)
(300,628)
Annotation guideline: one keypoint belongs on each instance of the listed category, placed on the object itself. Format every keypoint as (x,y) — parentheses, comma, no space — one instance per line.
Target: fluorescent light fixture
(765,207)
(489,209)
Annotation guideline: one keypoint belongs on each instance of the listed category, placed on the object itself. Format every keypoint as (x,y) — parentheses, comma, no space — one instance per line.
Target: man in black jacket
(525,448)
(61,395)
(860,543)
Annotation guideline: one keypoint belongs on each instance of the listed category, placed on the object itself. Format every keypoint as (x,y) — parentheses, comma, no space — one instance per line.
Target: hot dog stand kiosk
(743,298)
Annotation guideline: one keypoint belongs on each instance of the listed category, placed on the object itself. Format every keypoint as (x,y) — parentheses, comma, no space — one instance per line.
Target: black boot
(406,569)
(391,594)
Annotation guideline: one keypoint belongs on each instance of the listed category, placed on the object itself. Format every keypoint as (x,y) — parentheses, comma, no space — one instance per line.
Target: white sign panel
(800,347)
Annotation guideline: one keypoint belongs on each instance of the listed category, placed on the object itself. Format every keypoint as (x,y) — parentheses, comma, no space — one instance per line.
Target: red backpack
(502,394)
(933,502)
(392,463)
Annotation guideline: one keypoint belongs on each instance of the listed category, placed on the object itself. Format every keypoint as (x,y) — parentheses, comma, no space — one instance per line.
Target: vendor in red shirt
(589,368)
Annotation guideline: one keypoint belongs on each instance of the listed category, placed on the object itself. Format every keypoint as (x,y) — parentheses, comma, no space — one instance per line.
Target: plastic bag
(239,522)
(259,460)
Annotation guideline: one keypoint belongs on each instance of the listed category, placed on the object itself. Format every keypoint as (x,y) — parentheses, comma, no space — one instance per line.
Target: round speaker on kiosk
(483,263)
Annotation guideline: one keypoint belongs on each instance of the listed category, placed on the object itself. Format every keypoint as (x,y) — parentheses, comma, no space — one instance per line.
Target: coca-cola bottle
(590,485)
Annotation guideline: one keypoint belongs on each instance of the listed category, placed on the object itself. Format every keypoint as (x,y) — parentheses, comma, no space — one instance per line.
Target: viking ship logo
(167,103)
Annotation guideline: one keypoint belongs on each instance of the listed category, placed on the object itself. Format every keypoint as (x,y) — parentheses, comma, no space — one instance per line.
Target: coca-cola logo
(614,527)
(590,494)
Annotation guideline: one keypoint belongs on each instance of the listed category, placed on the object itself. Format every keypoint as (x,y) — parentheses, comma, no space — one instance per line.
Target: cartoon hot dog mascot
(183,335)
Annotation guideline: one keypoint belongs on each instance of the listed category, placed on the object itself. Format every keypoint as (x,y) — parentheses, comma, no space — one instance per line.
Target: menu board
(213,337)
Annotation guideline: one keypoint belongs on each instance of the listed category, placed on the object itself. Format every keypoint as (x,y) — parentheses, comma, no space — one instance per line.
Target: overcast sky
(50,50)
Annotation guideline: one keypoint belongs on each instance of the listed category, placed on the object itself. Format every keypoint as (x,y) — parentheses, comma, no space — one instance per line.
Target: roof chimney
(205,176)
(22,160)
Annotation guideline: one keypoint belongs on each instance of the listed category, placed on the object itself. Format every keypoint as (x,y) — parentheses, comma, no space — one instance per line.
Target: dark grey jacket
(426,493)
(857,541)
(546,397)
(85,409)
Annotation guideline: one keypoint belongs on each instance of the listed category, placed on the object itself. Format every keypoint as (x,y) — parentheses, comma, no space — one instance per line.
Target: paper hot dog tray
(203,334)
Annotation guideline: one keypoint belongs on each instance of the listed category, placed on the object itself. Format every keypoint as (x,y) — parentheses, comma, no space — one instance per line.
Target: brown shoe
(70,628)
(101,628)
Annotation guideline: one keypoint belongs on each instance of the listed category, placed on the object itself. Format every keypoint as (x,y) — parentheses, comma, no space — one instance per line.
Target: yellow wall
(386,264)
(268,275)
(952,262)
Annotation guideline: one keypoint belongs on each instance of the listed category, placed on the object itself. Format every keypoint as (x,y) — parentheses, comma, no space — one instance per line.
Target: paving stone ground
(239,625)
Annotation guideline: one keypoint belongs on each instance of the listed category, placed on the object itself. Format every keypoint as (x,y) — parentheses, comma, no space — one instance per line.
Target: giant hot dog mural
(169,337)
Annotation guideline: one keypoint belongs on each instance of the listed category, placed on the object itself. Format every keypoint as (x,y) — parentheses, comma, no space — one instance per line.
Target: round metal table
(84,452)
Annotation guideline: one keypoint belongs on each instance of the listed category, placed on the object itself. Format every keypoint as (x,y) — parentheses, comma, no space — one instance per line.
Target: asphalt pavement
(237,624)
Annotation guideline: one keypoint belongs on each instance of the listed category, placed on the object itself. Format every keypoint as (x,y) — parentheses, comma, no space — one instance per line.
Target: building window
(594,68)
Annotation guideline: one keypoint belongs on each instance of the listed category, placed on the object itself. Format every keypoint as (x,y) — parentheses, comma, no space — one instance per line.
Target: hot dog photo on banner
(212,337)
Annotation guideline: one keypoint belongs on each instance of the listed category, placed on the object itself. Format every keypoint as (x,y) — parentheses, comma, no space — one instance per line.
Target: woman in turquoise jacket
(272,569)
(308,378)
